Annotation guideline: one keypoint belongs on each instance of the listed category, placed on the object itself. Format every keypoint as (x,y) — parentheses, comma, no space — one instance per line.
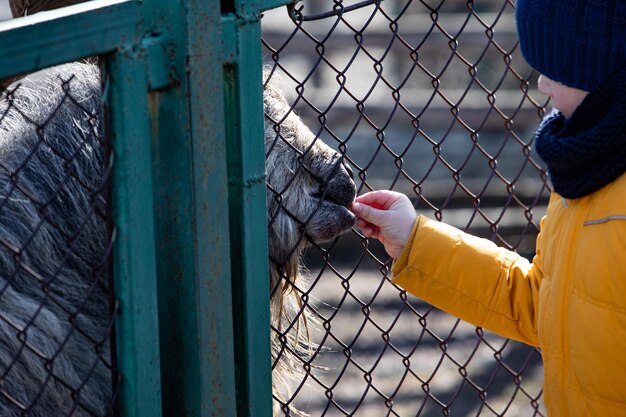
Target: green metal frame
(111,27)
(189,166)
(190,255)
(42,40)
(246,178)
(134,264)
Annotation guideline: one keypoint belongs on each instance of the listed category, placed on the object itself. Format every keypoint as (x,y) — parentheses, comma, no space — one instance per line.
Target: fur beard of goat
(54,309)
(55,316)
(308,192)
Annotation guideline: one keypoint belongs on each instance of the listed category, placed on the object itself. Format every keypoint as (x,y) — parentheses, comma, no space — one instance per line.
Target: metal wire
(296,12)
(433,99)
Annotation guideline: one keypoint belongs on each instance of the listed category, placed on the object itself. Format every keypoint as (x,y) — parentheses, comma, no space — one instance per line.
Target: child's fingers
(381,199)
(373,198)
(367,213)
(370,231)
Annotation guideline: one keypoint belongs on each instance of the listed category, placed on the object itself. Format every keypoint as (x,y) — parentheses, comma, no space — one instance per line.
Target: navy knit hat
(576,42)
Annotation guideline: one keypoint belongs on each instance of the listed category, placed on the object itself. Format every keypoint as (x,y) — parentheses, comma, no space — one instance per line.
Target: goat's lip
(343,221)
(342,208)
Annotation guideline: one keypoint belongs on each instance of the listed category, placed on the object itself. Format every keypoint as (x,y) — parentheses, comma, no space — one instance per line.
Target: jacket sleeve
(471,278)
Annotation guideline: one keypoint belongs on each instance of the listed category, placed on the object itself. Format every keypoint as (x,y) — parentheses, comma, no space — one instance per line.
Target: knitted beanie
(576,42)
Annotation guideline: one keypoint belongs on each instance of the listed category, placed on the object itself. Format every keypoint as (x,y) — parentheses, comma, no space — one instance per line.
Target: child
(571,299)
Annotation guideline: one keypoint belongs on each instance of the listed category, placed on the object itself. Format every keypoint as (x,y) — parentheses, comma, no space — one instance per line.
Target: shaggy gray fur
(54,309)
(309,190)
(54,312)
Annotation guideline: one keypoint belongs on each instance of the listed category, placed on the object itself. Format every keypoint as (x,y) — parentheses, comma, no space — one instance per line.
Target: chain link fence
(56,298)
(433,99)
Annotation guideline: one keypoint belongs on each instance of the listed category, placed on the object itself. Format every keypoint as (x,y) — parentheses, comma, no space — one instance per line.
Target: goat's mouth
(332,217)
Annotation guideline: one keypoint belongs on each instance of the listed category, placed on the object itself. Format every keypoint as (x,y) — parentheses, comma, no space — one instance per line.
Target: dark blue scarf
(587,151)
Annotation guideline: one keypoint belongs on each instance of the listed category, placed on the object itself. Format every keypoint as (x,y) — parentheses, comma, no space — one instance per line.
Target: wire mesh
(433,99)
(56,308)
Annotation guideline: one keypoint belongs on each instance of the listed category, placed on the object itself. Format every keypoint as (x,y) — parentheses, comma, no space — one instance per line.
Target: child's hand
(387,216)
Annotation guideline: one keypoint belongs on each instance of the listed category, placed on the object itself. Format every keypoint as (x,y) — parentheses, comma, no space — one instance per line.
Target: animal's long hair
(309,189)
(54,308)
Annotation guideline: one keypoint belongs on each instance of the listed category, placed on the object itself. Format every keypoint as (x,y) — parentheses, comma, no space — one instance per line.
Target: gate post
(191,206)
(134,264)
(247,201)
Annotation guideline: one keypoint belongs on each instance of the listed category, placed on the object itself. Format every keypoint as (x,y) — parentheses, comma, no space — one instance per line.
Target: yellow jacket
(570,301)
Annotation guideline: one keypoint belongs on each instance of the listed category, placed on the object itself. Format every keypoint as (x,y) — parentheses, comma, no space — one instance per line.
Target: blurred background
(5,12)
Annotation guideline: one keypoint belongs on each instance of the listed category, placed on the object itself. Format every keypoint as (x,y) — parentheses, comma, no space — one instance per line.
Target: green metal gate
(190,249)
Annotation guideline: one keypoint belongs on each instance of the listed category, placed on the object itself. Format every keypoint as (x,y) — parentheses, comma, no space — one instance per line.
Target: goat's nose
(347,167)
